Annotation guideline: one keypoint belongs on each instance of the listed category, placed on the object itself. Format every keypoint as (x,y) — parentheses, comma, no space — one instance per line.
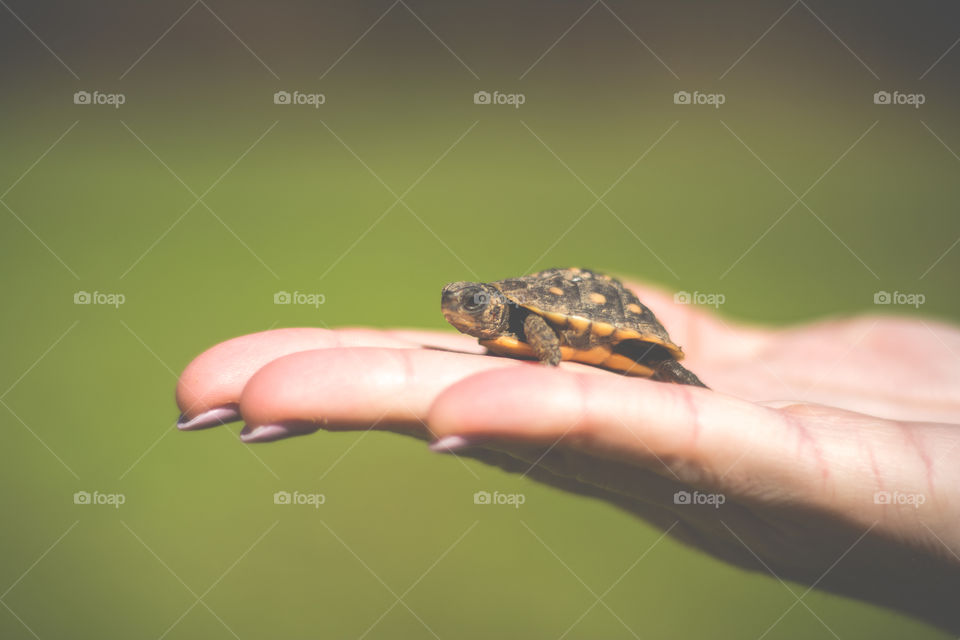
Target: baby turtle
(567,314)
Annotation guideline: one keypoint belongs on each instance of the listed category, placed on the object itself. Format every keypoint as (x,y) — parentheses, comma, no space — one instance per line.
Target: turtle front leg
(542,339)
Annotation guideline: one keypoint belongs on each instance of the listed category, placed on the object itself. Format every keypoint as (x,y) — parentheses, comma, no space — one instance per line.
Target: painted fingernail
(449,444)
(207,419)
(266,433)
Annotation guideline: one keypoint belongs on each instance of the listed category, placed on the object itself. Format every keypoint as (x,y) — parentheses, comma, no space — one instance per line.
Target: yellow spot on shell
(629,334)
(556,319)
(602,329)
(634,308)
(557,291)
(579,324)
(597,298)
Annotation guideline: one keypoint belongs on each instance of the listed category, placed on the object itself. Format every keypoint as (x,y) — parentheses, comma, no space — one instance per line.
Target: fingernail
(449,444)
(265,433)
(211,418)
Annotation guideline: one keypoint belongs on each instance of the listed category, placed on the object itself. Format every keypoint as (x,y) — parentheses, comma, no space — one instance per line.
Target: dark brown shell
(587,308)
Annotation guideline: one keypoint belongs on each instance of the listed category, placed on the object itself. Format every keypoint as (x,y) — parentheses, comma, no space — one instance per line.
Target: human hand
(833,447)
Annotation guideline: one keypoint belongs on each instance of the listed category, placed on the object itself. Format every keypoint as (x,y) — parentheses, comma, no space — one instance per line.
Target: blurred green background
(297,198)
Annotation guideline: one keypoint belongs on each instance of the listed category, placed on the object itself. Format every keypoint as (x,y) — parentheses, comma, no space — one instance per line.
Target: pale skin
(801,429)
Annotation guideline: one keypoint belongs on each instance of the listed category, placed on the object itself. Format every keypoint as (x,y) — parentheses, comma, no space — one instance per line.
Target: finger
(209,388)
(354,388)
(693,435)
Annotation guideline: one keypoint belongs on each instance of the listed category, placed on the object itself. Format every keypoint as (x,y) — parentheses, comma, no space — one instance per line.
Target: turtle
(567,314)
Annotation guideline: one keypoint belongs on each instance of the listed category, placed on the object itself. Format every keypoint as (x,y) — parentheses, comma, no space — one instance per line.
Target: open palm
(828,454)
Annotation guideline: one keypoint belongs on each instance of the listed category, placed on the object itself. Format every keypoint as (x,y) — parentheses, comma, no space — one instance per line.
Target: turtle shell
(596,317)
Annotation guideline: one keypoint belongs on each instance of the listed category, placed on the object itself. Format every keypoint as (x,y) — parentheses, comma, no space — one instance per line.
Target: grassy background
(87,390)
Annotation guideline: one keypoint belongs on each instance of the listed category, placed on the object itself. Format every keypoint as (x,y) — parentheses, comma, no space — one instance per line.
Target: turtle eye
(474,300)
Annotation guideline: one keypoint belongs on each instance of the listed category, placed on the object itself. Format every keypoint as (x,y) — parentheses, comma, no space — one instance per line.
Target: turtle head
(476,309)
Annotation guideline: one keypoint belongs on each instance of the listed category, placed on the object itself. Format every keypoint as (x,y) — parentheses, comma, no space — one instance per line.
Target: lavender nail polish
(450,444)
(265,433)
(211,418)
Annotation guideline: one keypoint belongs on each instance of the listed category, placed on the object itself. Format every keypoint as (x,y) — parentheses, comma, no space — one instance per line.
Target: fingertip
(218,375)
(338,385)
(354,387)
